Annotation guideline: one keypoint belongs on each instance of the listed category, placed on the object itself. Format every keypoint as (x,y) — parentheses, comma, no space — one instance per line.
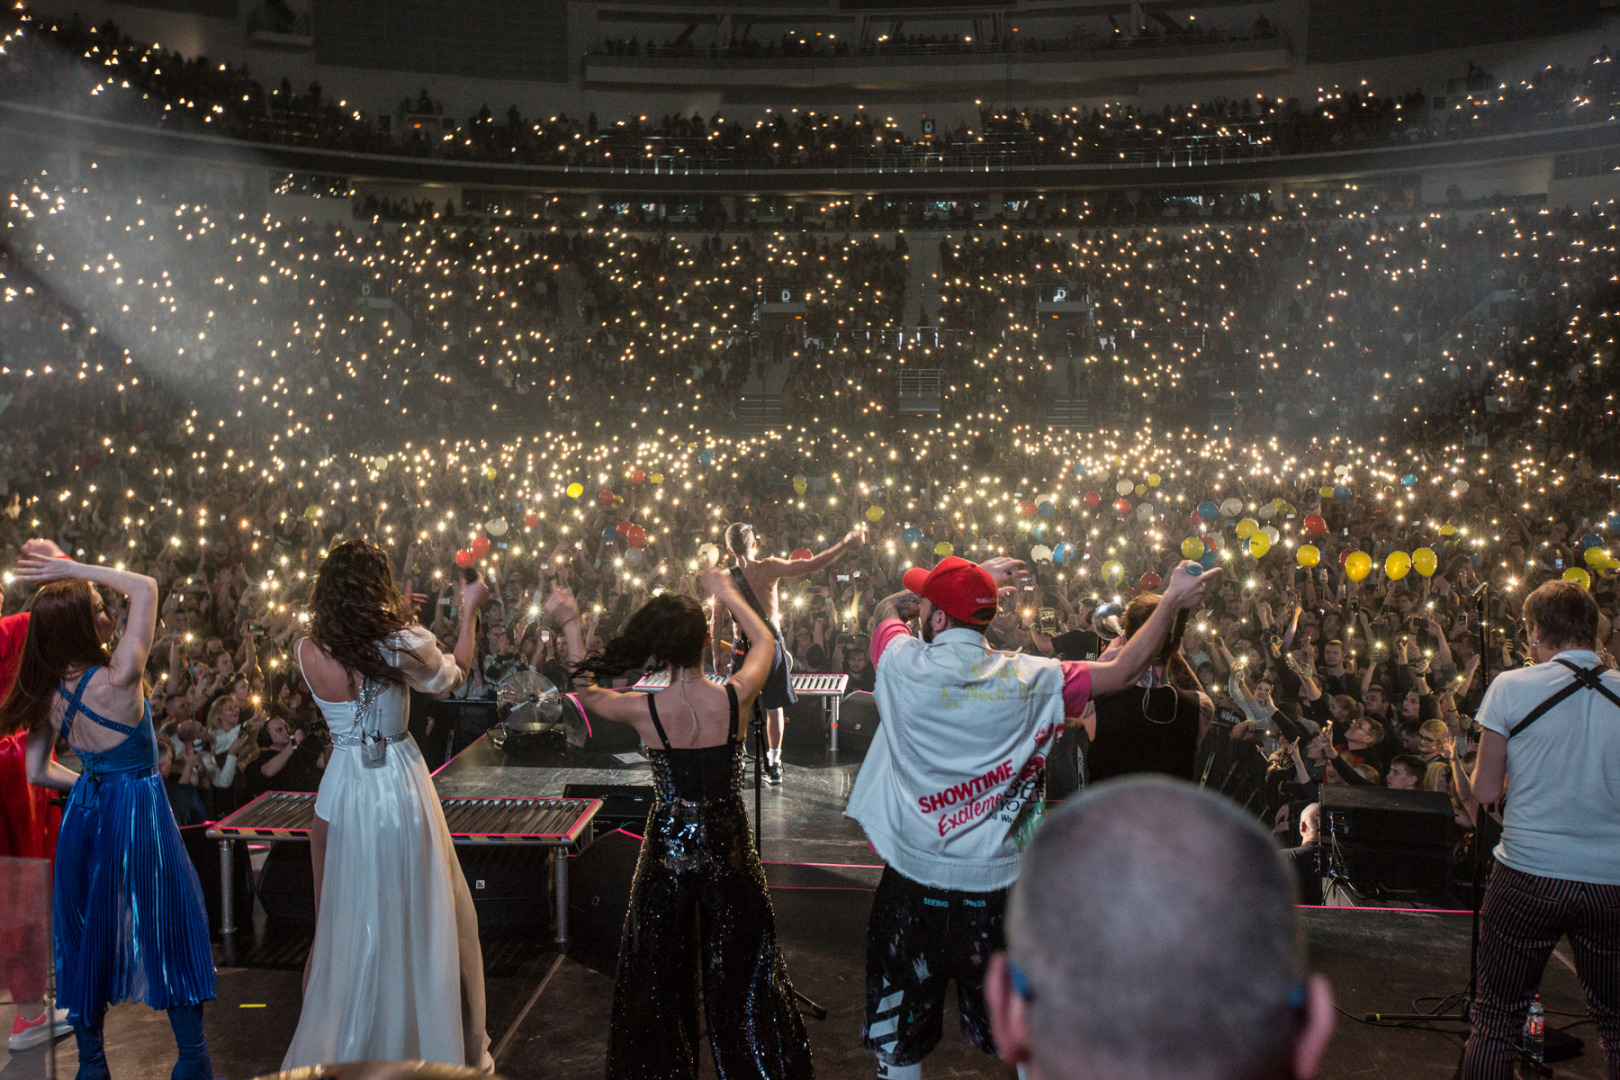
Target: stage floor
(548,1012)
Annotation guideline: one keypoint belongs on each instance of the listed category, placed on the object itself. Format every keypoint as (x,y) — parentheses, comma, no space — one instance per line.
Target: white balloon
(708,555)
(1460,487)
(1232,507)
(496,526)
(1144,511)
(1040,553)
(1265,512)
(1272,534)
(1124,487)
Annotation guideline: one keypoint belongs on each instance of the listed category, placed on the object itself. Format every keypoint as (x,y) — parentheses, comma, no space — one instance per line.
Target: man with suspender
(1552,740)
(756,579)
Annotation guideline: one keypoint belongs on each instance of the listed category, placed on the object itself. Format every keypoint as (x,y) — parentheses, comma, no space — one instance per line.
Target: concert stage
(548,1010)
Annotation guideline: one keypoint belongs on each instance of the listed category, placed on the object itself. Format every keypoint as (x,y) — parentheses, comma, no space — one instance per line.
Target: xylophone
(829,688)
(533,822)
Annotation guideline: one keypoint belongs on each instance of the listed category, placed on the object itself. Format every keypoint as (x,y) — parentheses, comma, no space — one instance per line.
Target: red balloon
(635,536)
(480,546)
(1148,582)
(1315,525)
(465,558)
(1027,508)
(1122,506)
(606,498)
(1344,556)
(624,529)
(1093,499)
(801,553)
(637,477)
(531,519)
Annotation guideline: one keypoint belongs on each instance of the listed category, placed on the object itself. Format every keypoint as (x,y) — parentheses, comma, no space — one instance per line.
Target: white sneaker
(26,1034)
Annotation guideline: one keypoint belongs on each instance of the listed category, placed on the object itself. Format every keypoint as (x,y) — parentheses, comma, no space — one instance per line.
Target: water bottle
(1535,1026)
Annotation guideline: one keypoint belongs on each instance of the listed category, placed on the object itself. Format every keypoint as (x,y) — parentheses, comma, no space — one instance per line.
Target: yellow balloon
(1259,544)
(799,486)
(1141,489)
(943,549)
(1326,491)
(1397,565)
(1192,548)
(1247,528)
(489,472)
(1448,530)
(575,491)
(1154,479)
(874,513)
(1596,556)
(657,478)
(1308,555)
(1112,571)
(1425,561)
(1579,577)
(1358,565)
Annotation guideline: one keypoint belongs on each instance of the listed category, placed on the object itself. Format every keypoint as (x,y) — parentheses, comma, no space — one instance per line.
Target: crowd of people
(101,71)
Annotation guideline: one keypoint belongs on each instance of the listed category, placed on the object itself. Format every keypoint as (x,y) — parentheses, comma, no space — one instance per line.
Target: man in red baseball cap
(954,784)
(962,590)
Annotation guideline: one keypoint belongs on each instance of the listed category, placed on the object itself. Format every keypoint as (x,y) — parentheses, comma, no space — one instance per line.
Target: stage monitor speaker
(622,804)
(287,885)
(1381,816)
(1388,841)
(858,721)
(509,885)
(204,855)
(467,720)
(599,880)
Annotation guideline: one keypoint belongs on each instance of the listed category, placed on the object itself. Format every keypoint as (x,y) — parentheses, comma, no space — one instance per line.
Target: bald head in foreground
(1152,934)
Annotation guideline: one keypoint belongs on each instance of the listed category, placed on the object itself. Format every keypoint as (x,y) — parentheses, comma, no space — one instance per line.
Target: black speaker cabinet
(599,881)
(1383,840)
(623,805)
(287,885)
(510,885)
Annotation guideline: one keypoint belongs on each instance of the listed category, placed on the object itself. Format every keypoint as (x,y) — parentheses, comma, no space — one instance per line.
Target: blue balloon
(1341,492)
(610,534)
(705,457)
(1208,511)
(912,535)
(1046,509)
(1590,540)
(1208,560)
(1038,530)
(1063,553)
(1409,480)
(1612,523)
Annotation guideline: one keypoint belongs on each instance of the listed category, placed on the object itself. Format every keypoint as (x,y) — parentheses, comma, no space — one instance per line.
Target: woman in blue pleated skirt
(128,916)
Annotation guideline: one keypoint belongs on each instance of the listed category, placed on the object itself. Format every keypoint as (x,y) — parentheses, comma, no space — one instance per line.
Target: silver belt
(359,740)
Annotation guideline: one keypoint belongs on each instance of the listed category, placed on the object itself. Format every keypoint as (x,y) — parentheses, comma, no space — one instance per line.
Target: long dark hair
(355,606)
(668,629)
(61,638)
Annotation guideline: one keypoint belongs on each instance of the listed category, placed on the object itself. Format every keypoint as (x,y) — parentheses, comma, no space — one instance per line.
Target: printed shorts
(919,939)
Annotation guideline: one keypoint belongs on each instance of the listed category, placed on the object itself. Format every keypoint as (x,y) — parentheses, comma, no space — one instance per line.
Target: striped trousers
(1522,919)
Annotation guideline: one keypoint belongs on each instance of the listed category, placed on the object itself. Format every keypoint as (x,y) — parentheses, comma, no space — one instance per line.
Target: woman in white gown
(395,971)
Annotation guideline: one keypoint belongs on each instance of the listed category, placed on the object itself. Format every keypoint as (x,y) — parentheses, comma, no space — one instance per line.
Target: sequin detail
(701,927)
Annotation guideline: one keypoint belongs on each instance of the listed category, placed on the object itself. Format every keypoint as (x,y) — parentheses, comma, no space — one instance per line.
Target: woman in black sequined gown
(700,923)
